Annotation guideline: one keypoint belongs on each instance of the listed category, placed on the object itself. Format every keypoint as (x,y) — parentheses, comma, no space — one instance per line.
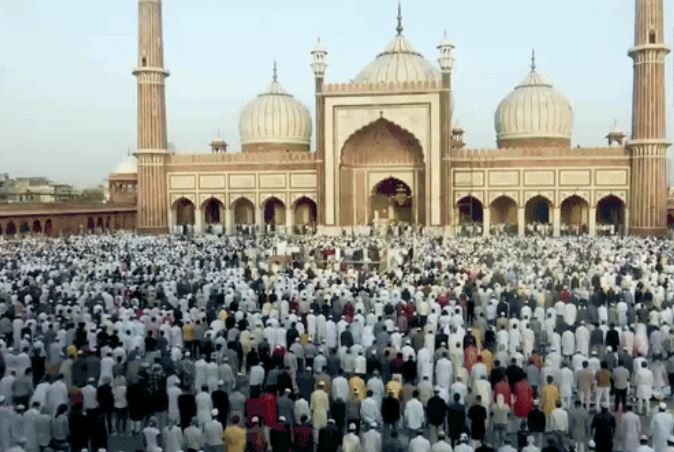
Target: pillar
(626,226)
(520,222)
(228,219)
(259,219)
(648,145)
(486,222)
(290,219)
(172,220)
(198,220)
(556,221)
(152,151)
(592,222)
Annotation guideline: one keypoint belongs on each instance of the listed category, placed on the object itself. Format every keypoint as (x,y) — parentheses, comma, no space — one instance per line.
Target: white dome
(275,117)
(127,166)
(534,110)
(399,63)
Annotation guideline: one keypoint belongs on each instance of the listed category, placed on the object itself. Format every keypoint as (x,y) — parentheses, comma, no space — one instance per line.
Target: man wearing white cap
(644,447)
(213,432)
(442,445)
(661,426)
(351,441)
(371,439)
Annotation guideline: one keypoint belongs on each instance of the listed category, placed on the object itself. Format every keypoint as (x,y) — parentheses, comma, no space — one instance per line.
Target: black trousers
(620,397)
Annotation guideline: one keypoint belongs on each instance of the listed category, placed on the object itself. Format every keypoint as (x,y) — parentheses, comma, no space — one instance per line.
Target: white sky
(67,96)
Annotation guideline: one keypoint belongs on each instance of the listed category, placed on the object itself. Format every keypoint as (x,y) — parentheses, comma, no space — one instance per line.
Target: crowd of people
(271,342)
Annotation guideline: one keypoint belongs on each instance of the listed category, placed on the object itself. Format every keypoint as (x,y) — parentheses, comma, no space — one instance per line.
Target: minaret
(446,63)
(648,146)
(319,65)
(152,215)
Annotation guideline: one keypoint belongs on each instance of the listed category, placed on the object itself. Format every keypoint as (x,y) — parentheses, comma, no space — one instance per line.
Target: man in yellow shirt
(395,386)
(234,437)
(549,396)
(356,382)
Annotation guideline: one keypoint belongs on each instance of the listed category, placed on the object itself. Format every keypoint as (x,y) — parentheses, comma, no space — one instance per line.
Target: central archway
(470,215)
(391,202)
(381,146)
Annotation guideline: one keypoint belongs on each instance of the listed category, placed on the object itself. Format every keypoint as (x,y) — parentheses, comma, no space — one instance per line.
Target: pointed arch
(239,198)
(382,141)
(37,227)
(274,211)
(243,210)
(10,230)
(304,211)
(184,211)
(48,227)
(538,209)
(470,210)
(212,209)
(610,215)
(503,213)
(574,215)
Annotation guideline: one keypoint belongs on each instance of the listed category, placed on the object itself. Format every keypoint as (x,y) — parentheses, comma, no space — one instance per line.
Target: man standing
(437,412)
(213,432)
(414,413)
(320,405)
(329,438)
(603,427)
(644,383)
(442,445)
(456,419)
(603,387)
(234,437)
(661,426)
(371,439)
(419,443)
(579,421)
(621,384)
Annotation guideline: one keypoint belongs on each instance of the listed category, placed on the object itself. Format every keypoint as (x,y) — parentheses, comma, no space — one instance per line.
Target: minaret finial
(399,28)
(533,59)
(275,77)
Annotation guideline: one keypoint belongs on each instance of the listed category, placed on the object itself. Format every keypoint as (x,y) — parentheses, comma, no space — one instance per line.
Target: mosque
(387,152)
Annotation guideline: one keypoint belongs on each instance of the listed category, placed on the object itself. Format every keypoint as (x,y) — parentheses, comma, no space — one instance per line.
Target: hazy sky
(67,96)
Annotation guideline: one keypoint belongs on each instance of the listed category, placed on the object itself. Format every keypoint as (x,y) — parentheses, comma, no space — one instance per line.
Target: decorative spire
(399,28)
(533,59)
(275,76)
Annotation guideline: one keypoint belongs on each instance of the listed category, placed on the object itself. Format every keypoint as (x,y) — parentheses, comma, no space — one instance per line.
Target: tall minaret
(319,65)
(152,151)
(648,146)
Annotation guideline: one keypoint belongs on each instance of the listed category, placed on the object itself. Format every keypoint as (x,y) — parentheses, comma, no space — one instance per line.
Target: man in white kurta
(661,427)
(644,383)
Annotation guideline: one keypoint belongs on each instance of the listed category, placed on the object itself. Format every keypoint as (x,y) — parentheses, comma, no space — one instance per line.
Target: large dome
(275,118)
(399,62)
(534,114)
